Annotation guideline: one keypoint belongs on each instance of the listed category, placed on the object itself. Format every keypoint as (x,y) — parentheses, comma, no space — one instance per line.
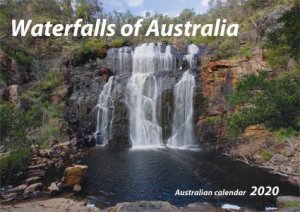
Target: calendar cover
(149,105)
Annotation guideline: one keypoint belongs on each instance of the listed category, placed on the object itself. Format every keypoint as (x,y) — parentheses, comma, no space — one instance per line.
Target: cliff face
(218,79)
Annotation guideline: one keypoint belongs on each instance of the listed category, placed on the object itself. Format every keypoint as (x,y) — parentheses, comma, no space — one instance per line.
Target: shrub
(15,161)
(274,103)
(283,42)
(117,42)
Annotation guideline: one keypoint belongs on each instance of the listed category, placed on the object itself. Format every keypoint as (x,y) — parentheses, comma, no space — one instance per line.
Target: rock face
(85,84)
(218,79)
(73,175)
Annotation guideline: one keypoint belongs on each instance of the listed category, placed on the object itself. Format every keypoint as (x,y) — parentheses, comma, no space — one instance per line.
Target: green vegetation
(15,161)
(117,42)
(266,155)
(274,103)
(88,49)
(291,204)
(36,120)
(283,42)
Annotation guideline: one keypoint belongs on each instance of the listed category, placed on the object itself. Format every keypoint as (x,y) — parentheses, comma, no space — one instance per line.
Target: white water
(124,57)
(182,128)
(143,92)
(105,107)
(192,50)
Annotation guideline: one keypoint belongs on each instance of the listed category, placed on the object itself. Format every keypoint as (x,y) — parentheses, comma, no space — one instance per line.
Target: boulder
(33,187)
(73,175)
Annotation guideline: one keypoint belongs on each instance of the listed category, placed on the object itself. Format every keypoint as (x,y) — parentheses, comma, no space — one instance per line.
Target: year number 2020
(264,191)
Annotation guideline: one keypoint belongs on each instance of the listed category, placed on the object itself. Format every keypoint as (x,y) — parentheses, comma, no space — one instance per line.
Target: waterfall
(105,107)
(191,57)
(182,128)
(143,93)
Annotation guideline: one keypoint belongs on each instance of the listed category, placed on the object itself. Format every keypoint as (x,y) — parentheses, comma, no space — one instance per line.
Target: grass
(291,204)
(266,155)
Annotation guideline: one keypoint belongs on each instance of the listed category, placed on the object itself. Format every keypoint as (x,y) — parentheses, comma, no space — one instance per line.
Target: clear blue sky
(169,7)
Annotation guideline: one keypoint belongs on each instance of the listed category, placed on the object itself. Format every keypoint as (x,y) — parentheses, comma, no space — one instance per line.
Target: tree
(284,41)
(88,9)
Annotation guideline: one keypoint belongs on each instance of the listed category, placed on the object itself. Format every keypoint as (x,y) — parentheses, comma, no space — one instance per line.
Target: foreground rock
(73,175)
(288,202)
(149,206)
(285,203)
(49,205)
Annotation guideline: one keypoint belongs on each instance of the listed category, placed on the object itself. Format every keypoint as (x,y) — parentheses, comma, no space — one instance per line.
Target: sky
(168,7)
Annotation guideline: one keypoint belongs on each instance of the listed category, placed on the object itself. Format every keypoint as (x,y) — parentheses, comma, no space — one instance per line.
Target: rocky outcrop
(218,79)
(261,147)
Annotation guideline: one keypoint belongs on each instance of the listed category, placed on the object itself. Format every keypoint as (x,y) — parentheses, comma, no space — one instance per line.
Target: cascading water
(182,128)
(105,107)
(193,51)
(143,93)
(147,92)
